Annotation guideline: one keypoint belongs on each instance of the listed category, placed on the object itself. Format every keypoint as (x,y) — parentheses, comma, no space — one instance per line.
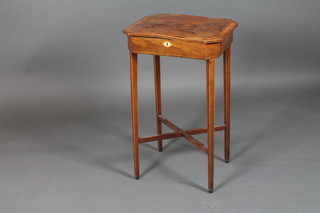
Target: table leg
(227,89)
(157,84)
(210,66)
(134,110)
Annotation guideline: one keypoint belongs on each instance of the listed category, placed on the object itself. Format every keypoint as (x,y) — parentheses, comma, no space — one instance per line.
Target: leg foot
(160,150)
(227,161)
(137,177)
(210,191)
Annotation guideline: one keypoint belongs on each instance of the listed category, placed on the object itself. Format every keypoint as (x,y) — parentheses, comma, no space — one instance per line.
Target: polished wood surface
(178,48)
(188,37)
(182,27)
(180,36)
(227,96)
(134,110)
(210,119)
(157,85)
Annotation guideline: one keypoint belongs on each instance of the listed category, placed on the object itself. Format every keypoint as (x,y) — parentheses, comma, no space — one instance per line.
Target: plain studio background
(65,125)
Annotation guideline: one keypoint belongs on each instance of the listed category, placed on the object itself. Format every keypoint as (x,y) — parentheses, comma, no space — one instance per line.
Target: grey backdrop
(65,134)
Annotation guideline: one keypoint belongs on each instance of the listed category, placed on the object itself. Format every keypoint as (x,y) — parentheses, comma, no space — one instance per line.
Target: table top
(184,27)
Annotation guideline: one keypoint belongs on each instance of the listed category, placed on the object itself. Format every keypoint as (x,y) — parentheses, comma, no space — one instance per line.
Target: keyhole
(167,44)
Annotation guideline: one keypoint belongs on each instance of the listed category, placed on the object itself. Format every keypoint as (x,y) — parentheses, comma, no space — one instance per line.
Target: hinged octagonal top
(184,27)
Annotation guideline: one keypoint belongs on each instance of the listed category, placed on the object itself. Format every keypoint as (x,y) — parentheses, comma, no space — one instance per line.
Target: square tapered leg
(210,119)
(227,89)
(134,110)
(157,85)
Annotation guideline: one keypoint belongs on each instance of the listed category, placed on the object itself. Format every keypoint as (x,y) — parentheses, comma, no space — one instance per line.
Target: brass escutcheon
(167,44)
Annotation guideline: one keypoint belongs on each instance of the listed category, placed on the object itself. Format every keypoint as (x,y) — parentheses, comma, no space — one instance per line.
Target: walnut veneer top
(184,27)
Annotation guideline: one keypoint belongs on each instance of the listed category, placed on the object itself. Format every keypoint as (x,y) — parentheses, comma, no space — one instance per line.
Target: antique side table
(184,36)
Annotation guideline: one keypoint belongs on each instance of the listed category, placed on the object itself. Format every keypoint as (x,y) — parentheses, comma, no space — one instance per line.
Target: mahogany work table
(184,36)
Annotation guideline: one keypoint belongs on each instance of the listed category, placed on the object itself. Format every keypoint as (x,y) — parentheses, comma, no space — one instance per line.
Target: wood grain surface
(184,27)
